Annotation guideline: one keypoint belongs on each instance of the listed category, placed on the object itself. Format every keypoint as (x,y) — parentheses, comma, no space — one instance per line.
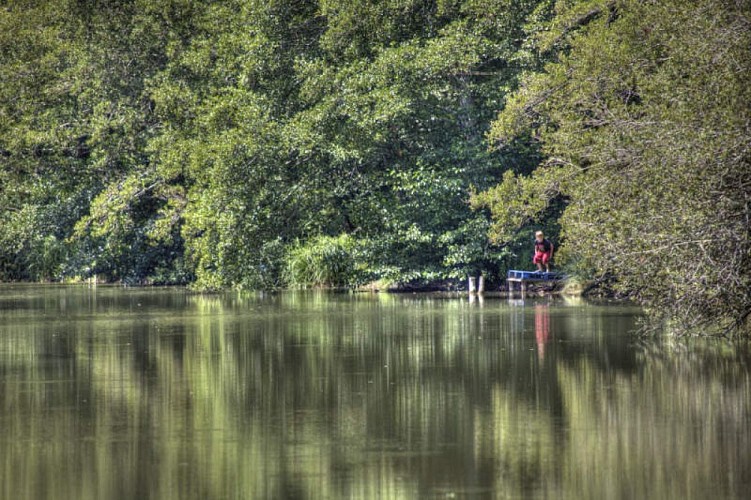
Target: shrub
(323,261)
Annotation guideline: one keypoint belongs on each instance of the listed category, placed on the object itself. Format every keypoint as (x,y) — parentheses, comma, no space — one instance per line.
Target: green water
(129,393)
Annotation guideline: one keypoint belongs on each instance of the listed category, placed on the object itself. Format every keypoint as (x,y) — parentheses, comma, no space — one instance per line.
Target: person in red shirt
(543,252)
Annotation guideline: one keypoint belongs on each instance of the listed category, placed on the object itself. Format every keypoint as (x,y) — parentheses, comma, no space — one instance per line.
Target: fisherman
(543,252)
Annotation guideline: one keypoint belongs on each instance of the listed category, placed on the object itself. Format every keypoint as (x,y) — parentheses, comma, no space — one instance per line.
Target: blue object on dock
(514,275)
(524,277)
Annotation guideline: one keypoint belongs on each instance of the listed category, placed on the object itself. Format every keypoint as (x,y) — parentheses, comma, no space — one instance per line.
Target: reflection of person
(543,252)
(542,328)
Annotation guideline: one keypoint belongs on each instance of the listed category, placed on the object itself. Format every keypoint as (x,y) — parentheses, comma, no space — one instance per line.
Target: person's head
(539,236)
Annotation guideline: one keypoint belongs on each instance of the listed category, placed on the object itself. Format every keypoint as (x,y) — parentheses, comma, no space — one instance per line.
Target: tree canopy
(218,142)
(642,113)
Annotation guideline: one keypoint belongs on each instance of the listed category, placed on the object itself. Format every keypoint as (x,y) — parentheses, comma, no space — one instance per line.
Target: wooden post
(481,284)
(523,285)
(471,285)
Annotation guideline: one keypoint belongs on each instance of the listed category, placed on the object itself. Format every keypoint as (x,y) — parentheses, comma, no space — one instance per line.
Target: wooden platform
(524,277)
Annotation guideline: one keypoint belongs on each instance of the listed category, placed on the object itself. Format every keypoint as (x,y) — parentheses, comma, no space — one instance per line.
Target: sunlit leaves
(232,132)
(640,111)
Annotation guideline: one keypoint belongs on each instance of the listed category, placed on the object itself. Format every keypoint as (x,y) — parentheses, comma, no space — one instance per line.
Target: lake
(112,393)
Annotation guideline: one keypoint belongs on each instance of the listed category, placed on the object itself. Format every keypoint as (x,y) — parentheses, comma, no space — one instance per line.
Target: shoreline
(444,291)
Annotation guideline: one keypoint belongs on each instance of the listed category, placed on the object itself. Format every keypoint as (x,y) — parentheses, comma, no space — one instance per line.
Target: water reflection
(158,394)
(542,328)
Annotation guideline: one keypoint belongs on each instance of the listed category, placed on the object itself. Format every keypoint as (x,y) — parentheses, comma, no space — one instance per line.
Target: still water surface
(120,393)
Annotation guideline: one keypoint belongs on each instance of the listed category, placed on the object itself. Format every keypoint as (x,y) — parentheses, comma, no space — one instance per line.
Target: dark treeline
(264,144)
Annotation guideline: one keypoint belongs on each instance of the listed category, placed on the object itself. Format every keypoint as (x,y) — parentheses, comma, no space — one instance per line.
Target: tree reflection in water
(162,394)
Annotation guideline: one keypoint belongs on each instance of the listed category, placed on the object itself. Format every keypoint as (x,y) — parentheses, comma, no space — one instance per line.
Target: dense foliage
(642,112)
(261,144)
(212,141)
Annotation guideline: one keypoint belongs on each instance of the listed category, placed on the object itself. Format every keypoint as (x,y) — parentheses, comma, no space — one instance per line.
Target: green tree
(641,111)
(169,141)
(362,119)
(74,128)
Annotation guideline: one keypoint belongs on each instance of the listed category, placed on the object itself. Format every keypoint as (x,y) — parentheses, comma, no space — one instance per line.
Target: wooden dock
(524,277)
